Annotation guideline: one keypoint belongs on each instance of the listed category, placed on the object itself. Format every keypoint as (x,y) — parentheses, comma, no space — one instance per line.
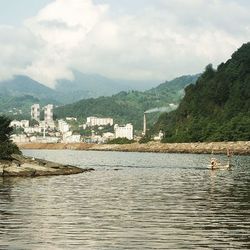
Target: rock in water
(21,166)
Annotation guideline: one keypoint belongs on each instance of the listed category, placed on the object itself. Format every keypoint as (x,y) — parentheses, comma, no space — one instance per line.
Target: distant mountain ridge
(129,106)
(21,91)
(86,86)
(82,87)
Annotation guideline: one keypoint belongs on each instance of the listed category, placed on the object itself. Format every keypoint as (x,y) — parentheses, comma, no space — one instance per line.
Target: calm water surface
(131,201)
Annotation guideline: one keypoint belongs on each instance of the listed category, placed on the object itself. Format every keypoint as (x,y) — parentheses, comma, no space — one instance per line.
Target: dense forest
(216,108)
(129,106)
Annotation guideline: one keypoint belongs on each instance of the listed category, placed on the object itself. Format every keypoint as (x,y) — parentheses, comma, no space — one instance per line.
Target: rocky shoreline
(21,166)
(238,148)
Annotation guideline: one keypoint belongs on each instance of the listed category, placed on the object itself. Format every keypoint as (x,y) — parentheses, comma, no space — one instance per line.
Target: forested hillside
(129,106)
(217,107)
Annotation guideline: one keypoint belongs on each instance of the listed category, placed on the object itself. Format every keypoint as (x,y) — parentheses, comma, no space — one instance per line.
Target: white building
(35,112)
(32,130)
(47,139)
(63,126)
(48,113)
(50,125)
(108,135)
(19,138)
(95,121)
(20,124)
(159,137)
(71,119)
(124,131)
(72,139)
(96,139)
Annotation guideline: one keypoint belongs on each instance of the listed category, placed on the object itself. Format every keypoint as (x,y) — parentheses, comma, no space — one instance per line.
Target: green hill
(18,94)
(216,108)
(129,106)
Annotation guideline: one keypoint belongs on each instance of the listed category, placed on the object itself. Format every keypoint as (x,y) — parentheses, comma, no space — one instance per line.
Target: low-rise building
(108,136)
(32,130)
(47,139)
(96,121)
(19,138)
(71,119)
(72,139)
(20,124)
(159,137)
(48,125)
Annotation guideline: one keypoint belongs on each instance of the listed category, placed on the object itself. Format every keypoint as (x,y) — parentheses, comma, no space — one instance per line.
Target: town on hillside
(43,128)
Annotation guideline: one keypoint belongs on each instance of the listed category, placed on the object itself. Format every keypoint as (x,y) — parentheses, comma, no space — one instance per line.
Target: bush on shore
(7,148)
(145,139)
(121,141)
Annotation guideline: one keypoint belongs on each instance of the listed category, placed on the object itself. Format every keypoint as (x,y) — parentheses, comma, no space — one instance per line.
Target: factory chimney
(144,124)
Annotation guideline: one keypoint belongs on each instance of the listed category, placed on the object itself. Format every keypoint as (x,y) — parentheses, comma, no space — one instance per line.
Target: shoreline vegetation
(238,148)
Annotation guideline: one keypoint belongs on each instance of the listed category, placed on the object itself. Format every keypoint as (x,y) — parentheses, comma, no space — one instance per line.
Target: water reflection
(155,201)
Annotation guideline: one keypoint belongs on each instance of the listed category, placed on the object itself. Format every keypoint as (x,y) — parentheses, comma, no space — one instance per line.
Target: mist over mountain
(93,85)
(22,85)
(82,87)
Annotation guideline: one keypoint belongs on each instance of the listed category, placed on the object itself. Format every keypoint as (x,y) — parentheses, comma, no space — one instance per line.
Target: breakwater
(238,148)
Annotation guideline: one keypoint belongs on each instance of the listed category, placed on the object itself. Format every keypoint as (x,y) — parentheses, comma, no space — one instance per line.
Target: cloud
(162,40)
(63,26)
(18,50)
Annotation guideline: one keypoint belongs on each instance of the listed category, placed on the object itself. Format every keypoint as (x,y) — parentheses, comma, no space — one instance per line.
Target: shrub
(121,141)
(7,148)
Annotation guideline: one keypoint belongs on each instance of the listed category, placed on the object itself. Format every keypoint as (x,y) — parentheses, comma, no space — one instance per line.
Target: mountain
(129,106)
(83,86)
(19,93)
(17,106)
(217,107)
(23,85)
(92,86)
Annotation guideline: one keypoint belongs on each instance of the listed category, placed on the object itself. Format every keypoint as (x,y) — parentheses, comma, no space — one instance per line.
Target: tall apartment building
(124,131)
(35,112)
(48,113)
(95,121)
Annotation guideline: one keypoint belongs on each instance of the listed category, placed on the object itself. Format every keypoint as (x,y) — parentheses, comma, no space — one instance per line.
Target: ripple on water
(155,201)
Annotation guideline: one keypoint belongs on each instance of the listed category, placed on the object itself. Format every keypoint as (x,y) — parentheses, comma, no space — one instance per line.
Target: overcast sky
(124,39)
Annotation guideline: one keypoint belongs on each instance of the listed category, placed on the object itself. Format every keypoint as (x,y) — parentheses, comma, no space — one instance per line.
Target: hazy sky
(127,39)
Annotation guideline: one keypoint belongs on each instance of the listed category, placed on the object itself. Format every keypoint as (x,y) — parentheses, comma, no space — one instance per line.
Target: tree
(216,108)
(7,148)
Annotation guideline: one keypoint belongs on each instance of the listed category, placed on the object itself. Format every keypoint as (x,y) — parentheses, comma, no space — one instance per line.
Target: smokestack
(144,124)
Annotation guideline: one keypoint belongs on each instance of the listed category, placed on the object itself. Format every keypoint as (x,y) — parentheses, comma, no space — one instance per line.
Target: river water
(131,201)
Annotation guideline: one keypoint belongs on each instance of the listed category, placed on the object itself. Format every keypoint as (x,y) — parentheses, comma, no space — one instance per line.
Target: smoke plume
(161,109)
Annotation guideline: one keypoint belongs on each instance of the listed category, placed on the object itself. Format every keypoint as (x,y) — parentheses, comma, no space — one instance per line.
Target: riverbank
(21,166)
(238,148)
